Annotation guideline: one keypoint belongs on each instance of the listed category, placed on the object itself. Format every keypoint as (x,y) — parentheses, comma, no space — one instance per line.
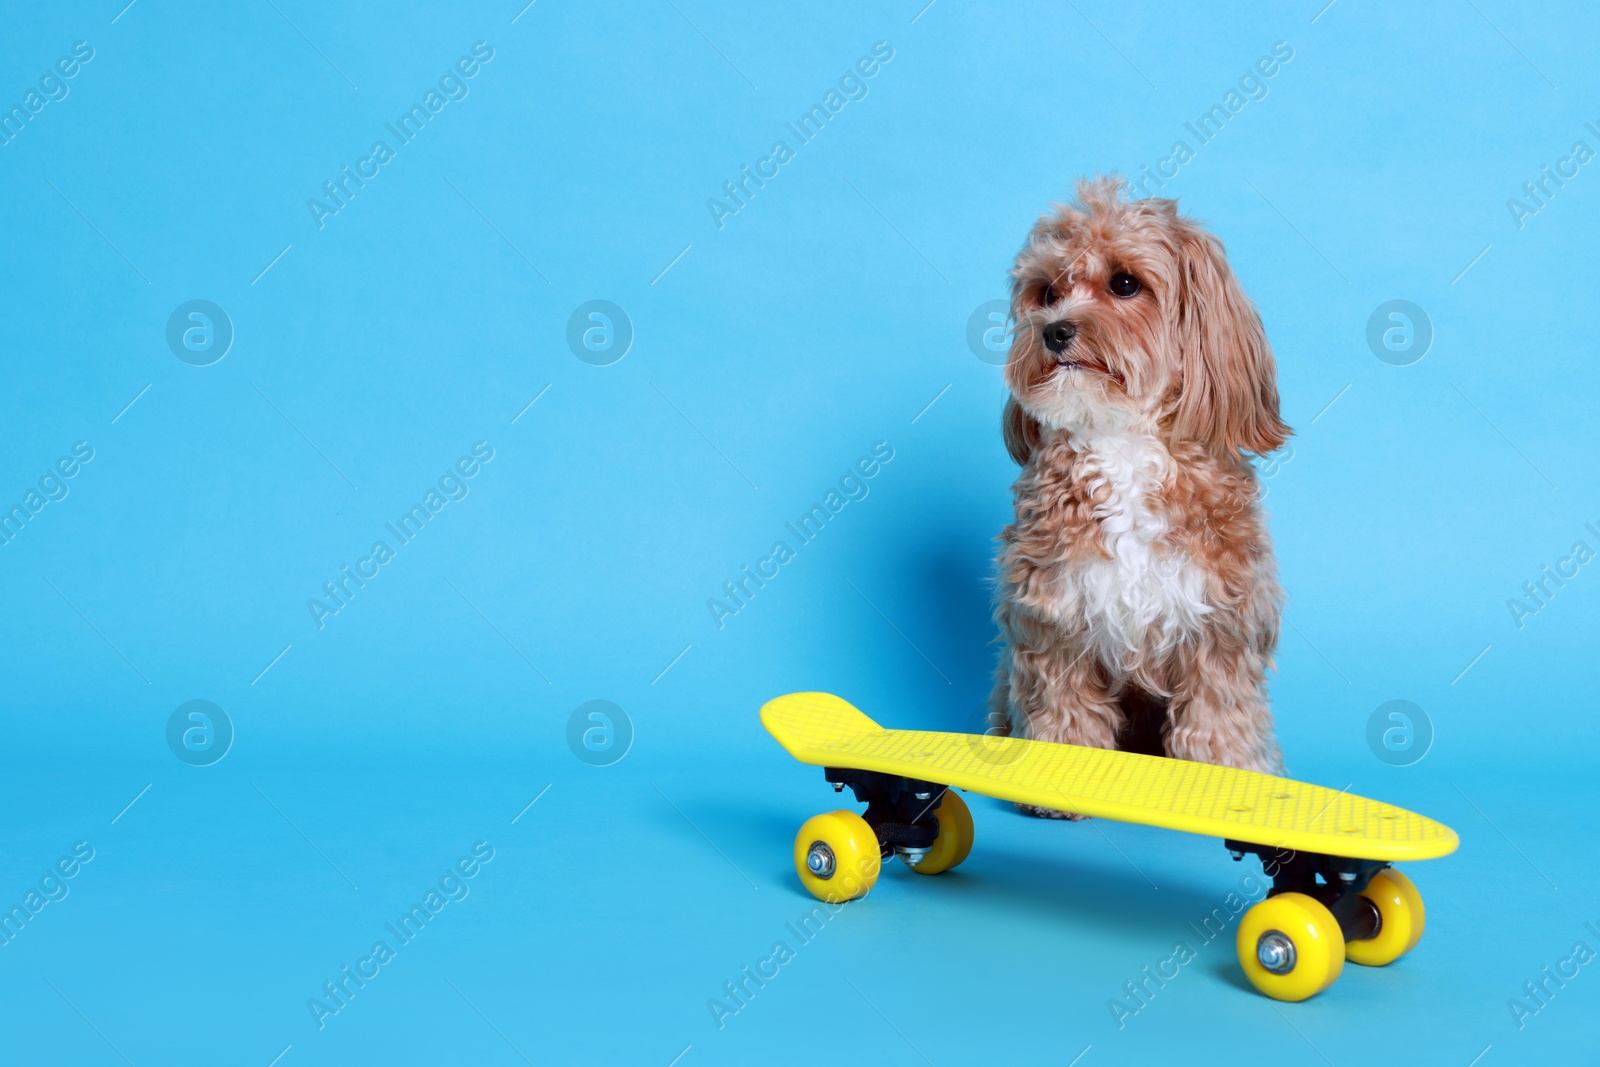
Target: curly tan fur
(1138,572)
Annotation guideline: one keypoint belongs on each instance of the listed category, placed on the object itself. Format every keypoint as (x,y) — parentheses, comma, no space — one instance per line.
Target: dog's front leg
(1058,691)
(1219,711)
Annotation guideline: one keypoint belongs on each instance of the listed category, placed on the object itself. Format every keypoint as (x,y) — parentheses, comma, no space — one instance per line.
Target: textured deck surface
(1199,798)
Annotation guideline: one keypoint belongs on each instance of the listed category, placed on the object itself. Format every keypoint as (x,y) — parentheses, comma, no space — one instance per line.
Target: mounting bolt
(1236,854)
(838,787)
(923,796)
(1347,876)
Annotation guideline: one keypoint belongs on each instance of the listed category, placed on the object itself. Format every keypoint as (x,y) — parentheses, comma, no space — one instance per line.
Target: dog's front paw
(1049,813)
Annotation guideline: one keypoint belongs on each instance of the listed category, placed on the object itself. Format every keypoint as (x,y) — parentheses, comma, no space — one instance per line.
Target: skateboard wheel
(837,857)
(1400,920)
(1290,946)
(955,836)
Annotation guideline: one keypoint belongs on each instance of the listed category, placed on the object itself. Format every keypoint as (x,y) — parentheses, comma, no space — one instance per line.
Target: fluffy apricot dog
(1137,594)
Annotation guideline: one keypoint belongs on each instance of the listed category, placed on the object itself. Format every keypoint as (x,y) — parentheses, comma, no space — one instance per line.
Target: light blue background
(774,352)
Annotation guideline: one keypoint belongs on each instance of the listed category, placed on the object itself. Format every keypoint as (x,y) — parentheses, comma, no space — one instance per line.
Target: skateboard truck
(899,810)
(1335,881)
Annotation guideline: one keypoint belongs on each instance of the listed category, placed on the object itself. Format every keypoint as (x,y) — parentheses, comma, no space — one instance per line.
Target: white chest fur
(1147,596)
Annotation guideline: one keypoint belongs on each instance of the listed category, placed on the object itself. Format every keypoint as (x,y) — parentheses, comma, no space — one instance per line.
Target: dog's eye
(1124,285)
(1047,297)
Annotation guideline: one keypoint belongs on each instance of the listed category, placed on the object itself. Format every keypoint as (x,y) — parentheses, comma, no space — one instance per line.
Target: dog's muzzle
(1058,335)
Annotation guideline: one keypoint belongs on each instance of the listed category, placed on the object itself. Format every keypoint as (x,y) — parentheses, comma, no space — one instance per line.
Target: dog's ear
(1021,431)
(1228,399)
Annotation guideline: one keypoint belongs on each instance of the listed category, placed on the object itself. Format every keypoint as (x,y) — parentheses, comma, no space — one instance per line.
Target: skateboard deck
(1197,798)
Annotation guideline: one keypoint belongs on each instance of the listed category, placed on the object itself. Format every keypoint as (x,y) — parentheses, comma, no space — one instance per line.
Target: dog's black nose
(1058,335)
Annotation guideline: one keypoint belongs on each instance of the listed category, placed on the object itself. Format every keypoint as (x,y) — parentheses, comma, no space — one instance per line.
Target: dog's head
(1128,318)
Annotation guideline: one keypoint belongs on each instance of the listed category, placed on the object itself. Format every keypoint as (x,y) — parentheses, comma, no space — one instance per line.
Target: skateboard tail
(809,725)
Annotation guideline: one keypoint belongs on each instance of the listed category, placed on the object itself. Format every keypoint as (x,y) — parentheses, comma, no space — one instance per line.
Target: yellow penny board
(1197,798)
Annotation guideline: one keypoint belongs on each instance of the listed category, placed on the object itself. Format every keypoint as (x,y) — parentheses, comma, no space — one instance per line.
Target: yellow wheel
(836,856)
(955,836)
(1400,920)
(1290,946)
